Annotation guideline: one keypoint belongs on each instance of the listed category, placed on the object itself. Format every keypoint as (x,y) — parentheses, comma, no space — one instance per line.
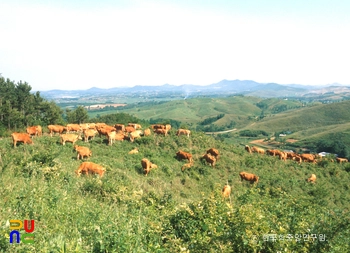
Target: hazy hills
(222,88)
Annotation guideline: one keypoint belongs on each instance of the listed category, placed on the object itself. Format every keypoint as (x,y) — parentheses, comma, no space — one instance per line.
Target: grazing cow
(186,166)
(135,134)
(134,151)
(21,137)
(168,127)
(105,130)
(247,148)
(342,160)
(214,152)
(298,159)
(73,128)
(92,126)
(147,132)
(161,131)
(56,129)
(249,177)
(258,150)
(39,130)
(90,168)
(226,191)
(272,152)
(183,132)
(129,129)
(158,126)
(308,158)
(147,166)
(69,138)
(34,130)
(291,155)
(89,133)
(209,159)
(134,125)
(98,125)
(184,155)
(114,136)
(84,126)
(312,178)
(82,152)
(119,127)
(282,155)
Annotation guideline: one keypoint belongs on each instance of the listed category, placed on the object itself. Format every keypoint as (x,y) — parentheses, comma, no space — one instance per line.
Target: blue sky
(82,44)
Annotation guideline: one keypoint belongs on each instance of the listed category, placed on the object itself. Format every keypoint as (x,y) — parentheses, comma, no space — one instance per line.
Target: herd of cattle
(120,132)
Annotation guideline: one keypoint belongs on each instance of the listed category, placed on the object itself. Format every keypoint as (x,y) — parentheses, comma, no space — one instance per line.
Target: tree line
(20,108)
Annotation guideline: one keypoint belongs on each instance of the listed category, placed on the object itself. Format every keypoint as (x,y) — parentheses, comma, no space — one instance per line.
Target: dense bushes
(253,133)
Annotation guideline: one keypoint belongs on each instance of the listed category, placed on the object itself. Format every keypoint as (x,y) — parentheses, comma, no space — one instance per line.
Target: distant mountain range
(222,88)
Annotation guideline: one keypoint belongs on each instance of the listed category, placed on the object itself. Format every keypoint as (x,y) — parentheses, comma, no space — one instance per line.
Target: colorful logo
(16,225)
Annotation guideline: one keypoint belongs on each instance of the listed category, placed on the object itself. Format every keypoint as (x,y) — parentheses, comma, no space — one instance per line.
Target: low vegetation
(170,210)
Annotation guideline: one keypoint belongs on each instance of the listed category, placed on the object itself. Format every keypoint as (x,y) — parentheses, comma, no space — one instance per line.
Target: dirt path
(222,132)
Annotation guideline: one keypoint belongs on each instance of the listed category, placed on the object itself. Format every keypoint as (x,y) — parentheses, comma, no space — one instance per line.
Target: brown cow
(272,152)
(69,138)
(114,136)
(134,125)
(33,130)
(105,130)
(82,152)
(291,155)
(135,134)
(119,127)
(209,159)
(89,133)
(98,125)
(342,160)
(183,132)
(312,178)
(90,168)
(56,129)
(73,128)
(249,177)
(158,126)
(214,152)
(147,166)
(248,149)
(84,126)
(21,137)
(168,127)
(161,131)
(92,125)
(298,159)
(282,155)
(129,129)
(184,155)
(186,166)
(134,151)
(147,132)
(308,158)
(258,150)
(226,191)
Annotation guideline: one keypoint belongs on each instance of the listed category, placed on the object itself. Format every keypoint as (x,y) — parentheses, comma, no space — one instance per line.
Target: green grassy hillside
(306,118)
(170,210)
(238,109)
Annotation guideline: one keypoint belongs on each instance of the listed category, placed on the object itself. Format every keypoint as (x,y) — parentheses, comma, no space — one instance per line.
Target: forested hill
(20,108)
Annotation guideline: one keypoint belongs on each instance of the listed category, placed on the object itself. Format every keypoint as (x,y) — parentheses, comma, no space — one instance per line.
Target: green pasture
(170,210)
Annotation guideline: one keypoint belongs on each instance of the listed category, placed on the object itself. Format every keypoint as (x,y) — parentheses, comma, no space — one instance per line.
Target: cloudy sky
(77,44)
